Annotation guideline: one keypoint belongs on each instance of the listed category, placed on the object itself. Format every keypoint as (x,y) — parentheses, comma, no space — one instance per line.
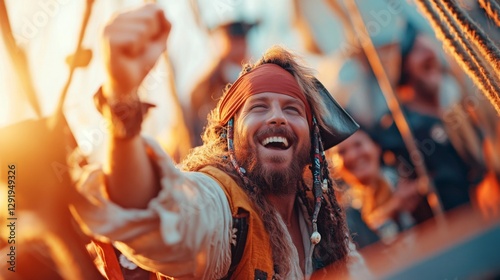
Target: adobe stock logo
(380,19)
(223,7)
(31,25)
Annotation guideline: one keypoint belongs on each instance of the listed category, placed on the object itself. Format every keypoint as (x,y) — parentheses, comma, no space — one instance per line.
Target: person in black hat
(240,207)
(231,40)
(452,171)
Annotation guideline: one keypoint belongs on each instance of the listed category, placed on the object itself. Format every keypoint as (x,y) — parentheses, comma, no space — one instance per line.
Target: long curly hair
(214,152)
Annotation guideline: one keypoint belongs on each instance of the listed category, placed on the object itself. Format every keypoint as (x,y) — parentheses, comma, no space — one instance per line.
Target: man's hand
(488,196)
(132,43)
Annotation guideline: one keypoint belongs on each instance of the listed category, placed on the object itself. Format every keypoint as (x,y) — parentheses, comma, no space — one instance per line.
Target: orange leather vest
(257,260)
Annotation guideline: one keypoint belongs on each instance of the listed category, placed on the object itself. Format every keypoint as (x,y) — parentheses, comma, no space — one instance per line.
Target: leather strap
(126,115)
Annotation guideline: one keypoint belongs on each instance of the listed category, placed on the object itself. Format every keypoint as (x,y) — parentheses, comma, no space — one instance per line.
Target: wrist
(123,112)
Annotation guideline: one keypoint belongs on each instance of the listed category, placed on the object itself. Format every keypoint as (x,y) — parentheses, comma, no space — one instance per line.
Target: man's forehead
(265,78)
(269,96)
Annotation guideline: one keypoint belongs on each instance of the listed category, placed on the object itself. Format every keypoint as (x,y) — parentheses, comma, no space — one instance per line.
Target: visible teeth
(275,139)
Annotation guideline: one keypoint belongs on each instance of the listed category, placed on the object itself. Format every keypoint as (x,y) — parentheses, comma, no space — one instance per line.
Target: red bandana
(267,77)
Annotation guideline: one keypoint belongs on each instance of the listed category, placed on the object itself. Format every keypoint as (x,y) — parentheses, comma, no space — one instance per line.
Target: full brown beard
(281,181)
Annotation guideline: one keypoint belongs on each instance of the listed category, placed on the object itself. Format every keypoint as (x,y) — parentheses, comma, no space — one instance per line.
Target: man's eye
(257,106)
(292,108)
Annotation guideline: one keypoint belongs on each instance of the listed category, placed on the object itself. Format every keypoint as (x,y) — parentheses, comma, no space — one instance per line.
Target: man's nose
(430,53)
(277,117)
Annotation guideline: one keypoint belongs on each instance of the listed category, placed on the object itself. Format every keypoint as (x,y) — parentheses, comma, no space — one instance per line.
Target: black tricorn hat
(238,28)
(339,124)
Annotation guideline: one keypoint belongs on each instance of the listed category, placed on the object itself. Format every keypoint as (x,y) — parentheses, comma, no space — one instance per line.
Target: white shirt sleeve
(185,232)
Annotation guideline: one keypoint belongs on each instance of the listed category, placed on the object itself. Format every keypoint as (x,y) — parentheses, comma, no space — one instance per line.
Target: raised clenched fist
(132,43)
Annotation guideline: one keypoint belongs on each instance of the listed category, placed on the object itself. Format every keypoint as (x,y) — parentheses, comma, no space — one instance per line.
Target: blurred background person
(373,195)
(231,40)
(453,172)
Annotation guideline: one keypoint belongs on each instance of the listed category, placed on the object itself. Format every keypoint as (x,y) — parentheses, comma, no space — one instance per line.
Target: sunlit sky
(48,29)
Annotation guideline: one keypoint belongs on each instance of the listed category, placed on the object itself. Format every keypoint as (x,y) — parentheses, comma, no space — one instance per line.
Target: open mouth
(275,142)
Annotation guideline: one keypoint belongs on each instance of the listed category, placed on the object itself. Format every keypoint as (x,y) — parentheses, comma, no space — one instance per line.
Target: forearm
(129,173)
(391,208)
(377,216)
(130,176)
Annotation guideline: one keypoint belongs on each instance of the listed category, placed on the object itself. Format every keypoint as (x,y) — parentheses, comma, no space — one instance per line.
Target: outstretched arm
(165,220)
(184,232)
(132,43)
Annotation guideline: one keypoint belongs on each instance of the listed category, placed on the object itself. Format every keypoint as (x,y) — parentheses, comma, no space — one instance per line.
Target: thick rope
(474,33)
(477,65)
(458,53)
(19,60)
(492,9)
(72,68)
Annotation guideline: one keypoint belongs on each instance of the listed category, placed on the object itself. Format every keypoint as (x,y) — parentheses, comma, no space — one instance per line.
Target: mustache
(281,131)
